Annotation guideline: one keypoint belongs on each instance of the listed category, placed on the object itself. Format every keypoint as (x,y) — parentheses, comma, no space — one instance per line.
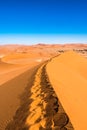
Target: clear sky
(49,21)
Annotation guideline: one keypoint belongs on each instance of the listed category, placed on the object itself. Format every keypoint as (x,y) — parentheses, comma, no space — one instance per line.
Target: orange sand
(13,80)
(16,74)
(68,75)
(24,58)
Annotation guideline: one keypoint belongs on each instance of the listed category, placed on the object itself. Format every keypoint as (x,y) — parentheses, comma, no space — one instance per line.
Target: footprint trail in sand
(41,109)
(44,109)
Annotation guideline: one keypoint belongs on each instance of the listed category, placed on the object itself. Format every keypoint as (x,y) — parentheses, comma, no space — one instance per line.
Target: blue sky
(38,21)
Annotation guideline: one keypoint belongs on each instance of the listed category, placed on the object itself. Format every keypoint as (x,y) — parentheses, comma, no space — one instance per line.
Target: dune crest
(75,62)
(31,79)
(40,108)
(68,75)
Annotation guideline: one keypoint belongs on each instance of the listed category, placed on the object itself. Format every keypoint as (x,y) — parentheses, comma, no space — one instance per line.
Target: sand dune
(40,108)
(68,75)
(24,58)
(14,64)
(13,86)
(5,67)
(28,82)
(13,80)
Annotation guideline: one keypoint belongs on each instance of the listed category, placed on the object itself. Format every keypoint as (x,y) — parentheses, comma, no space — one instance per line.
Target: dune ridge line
(42,110)
(68,76)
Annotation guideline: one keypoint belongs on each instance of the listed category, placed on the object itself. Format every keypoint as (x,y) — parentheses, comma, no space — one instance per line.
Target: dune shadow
(19,119)
(54,111)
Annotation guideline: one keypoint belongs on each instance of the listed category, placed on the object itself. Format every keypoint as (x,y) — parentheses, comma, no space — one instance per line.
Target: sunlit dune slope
(4,64)
(68,75)
(4,67)
(18,56)
(74,61)
(23,58)
(13,64)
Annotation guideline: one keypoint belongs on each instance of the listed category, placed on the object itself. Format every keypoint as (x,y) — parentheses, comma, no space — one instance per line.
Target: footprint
(60,120)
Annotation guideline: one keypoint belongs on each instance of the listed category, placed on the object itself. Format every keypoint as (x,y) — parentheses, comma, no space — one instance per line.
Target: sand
(13,81)
(41,94)
(68,76)
(39,109)
(12,86)
(24,58)
(17,72)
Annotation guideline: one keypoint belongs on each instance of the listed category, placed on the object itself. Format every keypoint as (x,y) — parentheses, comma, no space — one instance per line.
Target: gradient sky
(52,21)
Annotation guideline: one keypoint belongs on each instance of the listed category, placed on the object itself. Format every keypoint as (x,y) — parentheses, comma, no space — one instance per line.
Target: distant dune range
(36,78)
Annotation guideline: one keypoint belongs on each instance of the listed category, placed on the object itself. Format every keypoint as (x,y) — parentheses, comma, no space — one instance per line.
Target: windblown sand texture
(68,76)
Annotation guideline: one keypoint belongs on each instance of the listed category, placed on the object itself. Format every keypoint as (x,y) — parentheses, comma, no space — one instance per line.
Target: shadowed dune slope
(10,94)
(14,64)
(68,75)
(9,71)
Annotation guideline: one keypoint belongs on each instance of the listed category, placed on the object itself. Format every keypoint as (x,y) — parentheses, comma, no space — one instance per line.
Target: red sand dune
(14,64)
(20,58)
(25,58)
(68,75)
(13,81)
